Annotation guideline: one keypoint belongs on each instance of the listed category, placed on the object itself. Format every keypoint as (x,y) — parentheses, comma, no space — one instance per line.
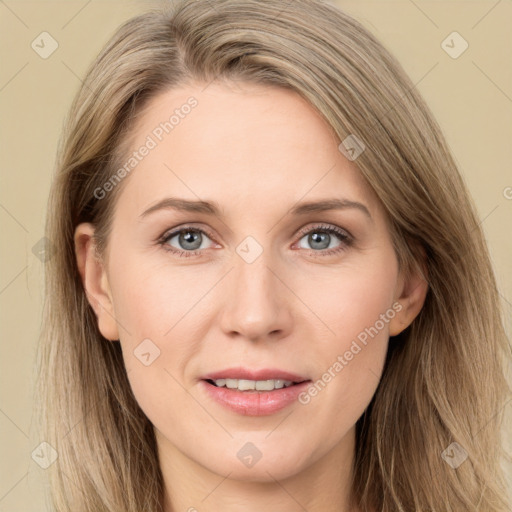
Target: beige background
(471,97)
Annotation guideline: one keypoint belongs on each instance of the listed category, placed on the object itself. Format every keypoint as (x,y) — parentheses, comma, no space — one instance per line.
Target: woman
(270,287)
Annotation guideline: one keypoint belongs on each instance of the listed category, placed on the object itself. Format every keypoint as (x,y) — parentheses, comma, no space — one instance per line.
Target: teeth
(258,385)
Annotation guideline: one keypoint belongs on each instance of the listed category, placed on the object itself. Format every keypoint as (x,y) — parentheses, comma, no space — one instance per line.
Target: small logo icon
(249,454)
(44,455)
(44,45)
(43,249)
(146,352)
(249,249)
(454,45)
(454,455)
(352,146)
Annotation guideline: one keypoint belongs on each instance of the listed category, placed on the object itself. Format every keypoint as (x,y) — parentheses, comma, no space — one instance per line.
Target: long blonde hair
(443,381)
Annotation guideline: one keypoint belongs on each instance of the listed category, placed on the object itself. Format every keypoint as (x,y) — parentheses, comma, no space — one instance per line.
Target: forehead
(238,144)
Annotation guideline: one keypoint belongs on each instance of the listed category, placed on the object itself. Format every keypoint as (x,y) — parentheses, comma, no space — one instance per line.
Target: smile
(249,385)
(245,399)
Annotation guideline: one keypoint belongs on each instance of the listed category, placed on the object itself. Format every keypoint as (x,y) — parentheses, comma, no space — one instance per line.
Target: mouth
(245,379)
(254,392)
(248,385)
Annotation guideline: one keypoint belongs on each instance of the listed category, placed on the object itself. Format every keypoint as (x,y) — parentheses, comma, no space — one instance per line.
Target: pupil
(319,238)
(190,237)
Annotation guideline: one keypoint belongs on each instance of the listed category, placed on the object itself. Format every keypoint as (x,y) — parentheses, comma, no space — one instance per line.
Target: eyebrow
(212,208)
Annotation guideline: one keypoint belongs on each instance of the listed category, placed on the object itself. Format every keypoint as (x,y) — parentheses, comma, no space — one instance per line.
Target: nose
(256,301)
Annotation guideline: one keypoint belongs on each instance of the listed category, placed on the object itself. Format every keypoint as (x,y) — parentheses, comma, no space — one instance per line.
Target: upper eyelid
(323,226)
(175,231)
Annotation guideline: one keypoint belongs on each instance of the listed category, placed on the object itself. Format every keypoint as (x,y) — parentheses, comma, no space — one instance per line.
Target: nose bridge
(254,306)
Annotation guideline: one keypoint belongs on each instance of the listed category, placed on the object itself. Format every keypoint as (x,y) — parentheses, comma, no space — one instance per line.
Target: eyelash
(345,238)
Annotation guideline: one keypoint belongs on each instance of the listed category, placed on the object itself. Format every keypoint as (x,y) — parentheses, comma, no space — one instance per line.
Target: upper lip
(261,374)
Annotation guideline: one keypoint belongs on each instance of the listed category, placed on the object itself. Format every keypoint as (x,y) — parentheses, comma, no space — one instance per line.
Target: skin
(257,151)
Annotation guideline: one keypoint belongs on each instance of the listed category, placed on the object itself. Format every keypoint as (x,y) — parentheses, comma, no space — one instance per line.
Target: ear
(411,293)
(95,281)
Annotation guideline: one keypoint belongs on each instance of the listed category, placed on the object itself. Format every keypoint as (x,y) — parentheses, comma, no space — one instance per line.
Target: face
(245,278)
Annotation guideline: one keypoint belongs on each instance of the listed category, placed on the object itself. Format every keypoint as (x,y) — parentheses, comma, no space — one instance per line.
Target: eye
(189,241)
(320,239)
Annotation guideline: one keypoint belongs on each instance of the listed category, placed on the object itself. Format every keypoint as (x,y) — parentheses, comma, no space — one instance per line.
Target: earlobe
(411,299)
(95,280)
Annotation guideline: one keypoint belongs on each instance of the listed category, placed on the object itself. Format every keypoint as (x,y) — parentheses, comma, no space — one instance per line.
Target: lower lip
(255,403)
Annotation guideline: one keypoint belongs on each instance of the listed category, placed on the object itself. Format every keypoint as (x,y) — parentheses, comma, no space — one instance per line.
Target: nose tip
(255,304)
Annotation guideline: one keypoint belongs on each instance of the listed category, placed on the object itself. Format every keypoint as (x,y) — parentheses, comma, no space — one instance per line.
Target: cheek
(152,298)
(350,299)
(355,309)
(153,306)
